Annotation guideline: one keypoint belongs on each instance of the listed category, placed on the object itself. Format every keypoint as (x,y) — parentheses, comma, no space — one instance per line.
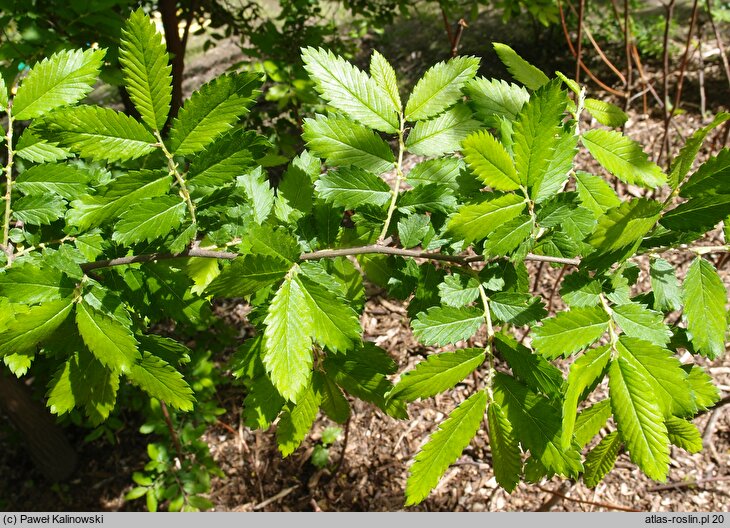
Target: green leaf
(623,158)
(294,194)
(580,290)
(698,214)
(454,292)
(704,306)
(639,419)
(444,171)
(601,458)
(212,110)
(606,113)
(31,327)
(149,220)
(3,95)
(443,133)
(412,229)
(682,164)
(490,162)
(350,90)
(684,434)
(259,193)
(441,325)
(475,222)
(508,236)
(335,323)
(595,194)
(111,343)
(493,98)
(536,132)
(517,308)
(247,275)
(351,187)
(427,198)
(30,147)
(123,192)
(276,243)
(569,331)
(296,421)
(705,392)
(506,456)
(444,447)
(558,169)
(334,403)
(537,425)
(667,294)
(29,284)
(437,373)
(160,380)
(62,79)
(384,76)
(146,69)
(440,87)
(288,343)
(521,70)
(636,320)
(262,403)
(227,157)
(67,181)
(710,178)
(533,370)
(590,421)
(343,142)
(39,210)
(585,373)
(98,133)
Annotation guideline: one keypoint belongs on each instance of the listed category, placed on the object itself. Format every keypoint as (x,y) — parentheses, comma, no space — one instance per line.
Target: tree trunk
(176,47)
(45,442)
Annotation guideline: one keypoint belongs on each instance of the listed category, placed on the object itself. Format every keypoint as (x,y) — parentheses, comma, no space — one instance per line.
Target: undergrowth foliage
(112,225)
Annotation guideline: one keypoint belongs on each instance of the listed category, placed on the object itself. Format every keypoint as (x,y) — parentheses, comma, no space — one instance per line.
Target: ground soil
(370,462)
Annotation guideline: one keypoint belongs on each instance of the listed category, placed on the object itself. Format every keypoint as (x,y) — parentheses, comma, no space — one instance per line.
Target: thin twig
(669,12)
(275,498)
(343,453)
(171,429)
(579,40)
(720,45)
(461,25)
(606,505)
(687,483)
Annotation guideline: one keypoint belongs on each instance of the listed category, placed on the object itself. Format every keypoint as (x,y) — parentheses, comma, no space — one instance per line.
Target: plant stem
(172,168)
(8,184)
(398,179)
(490,340)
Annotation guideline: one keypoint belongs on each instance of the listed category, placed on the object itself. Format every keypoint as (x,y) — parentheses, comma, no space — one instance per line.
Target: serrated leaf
(682,164)
(149,220)
(508,236)
(536,132)
(623,158)
(33,326)
(442,325)
(569,331)
(506,455)
(67,181)
(412,229)
(248,274)
(667,294)
(427,198)
(444,447)
(710,178)
(579,290)
(259,193)
(98,133)
(601,459)
(294,194)
(521,70)
(475,222)
(558,169)
(212,110)
(606,113)
(454,292)
(343,142)
(440,87)
(639,419)
(161,380)
(437,373)
(350,90)
(351,187)
(533,370)
(704,390)
(288,343)
(335,324)
(444,171)
(334,403)
(94,210)
(38,210)
(111,343)
(146,69)
(636,320)
(590,421)
(29,284)
(32,148)
(3,95)
(490,162)
(684,434)
(537,425)
(443,133)
(276,243)
(585,373)
(517,308)
(226,158)
(698,214)
(384,76)
(296,421)
(595,194)
(704,306)
(62,79)
(494,98)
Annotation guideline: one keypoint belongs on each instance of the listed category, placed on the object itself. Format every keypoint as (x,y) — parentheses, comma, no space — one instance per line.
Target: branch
(606,505)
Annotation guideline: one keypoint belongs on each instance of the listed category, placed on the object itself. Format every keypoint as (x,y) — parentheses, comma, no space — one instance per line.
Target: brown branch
(687,483)
(720,45)
(665,66)
(457,38)
(606,505)
(579,40)
(173,433)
